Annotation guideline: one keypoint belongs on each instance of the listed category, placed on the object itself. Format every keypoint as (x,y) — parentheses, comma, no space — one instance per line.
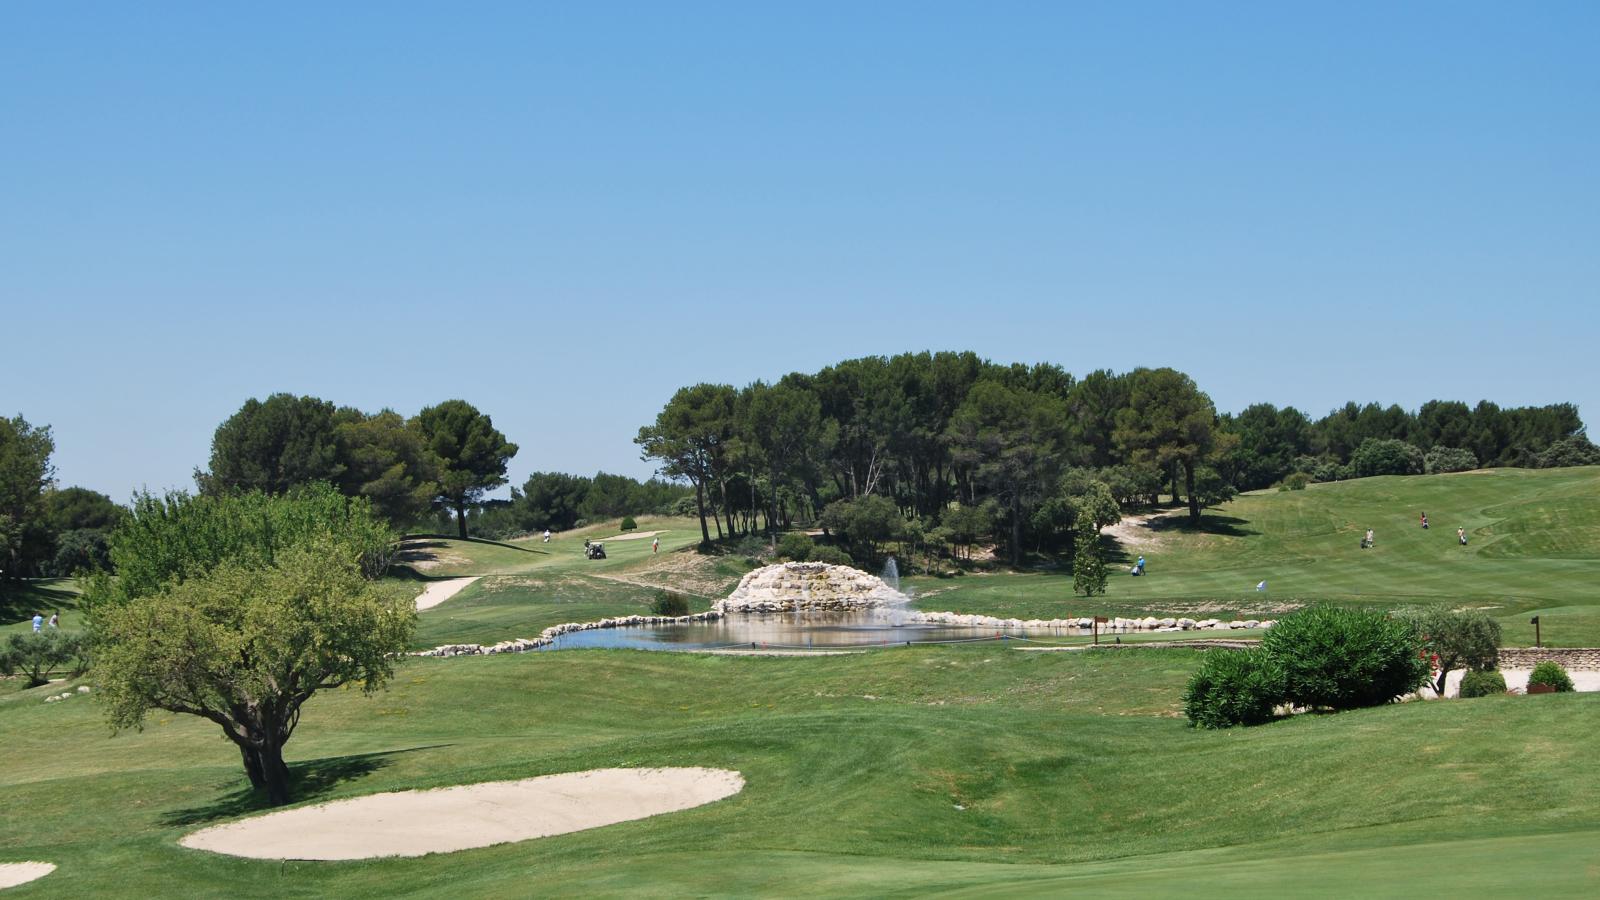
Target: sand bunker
(438,592)
(13,874)
(414,823)
(632,536)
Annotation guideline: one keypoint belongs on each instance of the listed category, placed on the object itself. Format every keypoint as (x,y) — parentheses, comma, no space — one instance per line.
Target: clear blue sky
(562,214)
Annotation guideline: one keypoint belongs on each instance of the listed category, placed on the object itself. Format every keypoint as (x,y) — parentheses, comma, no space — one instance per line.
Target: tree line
(955,445)
(429,472)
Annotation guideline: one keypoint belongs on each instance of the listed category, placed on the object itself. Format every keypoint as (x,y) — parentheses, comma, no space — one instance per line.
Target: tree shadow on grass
(309,781)
(1228,526)
(20,600)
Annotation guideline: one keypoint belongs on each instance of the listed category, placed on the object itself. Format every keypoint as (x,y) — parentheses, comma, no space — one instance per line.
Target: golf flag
(1261,586)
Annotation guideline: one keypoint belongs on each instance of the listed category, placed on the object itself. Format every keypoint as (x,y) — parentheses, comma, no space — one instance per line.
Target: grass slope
(973,770)
(1534,549)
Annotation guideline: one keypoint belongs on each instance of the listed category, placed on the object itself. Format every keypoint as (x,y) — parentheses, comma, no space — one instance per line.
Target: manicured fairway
(916,770)
(501,607)
(1534,548)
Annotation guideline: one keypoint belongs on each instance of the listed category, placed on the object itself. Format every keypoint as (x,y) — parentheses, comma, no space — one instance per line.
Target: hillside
(1533,549)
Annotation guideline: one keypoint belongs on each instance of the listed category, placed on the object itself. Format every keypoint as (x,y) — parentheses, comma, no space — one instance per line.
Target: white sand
(414,823)
(631,536)
(13,874)
(438,592)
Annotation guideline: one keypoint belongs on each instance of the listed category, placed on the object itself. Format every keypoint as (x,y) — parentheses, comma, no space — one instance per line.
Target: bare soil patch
(1140,531)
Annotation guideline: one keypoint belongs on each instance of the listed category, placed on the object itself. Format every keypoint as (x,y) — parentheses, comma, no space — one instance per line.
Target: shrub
(1339,658)
(1551,673)
(797,546)
(1482,684)
(1572,451)
(1295,481)
(1448,459)
(37,654)
(1233,687)
(1386,456)
(752,547)
(628,524)
(833,556)
(669,603)
(1332,471)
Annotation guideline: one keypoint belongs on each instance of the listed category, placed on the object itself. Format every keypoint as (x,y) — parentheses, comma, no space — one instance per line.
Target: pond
(803,630)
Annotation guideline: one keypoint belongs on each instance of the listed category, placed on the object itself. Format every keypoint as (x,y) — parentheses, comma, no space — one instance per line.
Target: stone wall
(1567,657)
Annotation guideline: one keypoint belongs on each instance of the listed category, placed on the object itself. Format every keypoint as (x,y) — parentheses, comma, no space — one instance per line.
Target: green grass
(1534,546)
(448,557)
(967,770)
(502,607)
(20,600)
(1073,770)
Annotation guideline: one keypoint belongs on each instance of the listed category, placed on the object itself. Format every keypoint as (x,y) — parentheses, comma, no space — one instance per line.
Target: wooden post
(1535,623)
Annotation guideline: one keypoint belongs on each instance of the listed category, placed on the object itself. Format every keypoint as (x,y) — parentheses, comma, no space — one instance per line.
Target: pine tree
(1088,566)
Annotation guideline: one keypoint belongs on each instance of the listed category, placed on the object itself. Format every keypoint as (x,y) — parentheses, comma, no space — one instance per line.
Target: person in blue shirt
(38,621)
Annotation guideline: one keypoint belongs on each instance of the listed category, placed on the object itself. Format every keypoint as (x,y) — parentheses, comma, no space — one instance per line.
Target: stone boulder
(791,586)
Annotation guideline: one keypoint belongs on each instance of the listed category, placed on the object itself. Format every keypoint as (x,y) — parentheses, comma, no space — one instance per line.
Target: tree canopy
(245,645)
(273,445)
(472,455)
(170,537)
(25,473)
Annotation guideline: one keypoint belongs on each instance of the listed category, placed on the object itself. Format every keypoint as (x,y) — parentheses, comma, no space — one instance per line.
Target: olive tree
(1467,639)
(246,646)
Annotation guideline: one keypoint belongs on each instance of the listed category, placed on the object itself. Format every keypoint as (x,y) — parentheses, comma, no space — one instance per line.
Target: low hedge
(1482,684)
(1233,687)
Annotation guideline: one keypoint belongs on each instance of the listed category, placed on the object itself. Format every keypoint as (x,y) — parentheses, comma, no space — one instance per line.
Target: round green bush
(1336,658)
(1295,481)
(1233,687)
(1482,684)
(628,524)
(1551,673)
(833,556)
(796,545)
(669,603)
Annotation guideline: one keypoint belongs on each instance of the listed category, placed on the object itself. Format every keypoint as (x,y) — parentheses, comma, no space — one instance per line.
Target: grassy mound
(970,768)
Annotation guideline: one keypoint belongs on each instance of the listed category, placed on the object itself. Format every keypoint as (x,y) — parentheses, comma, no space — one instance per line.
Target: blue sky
(564,213)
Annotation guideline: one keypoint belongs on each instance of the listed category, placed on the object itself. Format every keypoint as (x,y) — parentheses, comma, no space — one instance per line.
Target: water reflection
(790,630)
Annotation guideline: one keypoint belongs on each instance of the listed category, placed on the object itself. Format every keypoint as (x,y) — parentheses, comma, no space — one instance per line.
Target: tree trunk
(274,772)
(1188,483)
(700,507)
(1016,528)
(461,518)
(252,765)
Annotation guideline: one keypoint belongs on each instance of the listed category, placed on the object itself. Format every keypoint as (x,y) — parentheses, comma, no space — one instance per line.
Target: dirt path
(438,592)
(1140,531)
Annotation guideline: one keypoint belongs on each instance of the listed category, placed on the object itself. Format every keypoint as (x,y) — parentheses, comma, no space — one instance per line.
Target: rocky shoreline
(1117,625)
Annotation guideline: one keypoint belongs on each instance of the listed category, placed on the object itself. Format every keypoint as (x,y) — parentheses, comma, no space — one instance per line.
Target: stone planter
(1541,689)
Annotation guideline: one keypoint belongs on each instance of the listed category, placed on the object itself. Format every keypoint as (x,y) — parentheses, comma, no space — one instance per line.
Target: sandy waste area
(414,823)
(438,592)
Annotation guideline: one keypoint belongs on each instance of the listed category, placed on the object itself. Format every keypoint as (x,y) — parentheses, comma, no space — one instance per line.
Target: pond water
(804,630)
